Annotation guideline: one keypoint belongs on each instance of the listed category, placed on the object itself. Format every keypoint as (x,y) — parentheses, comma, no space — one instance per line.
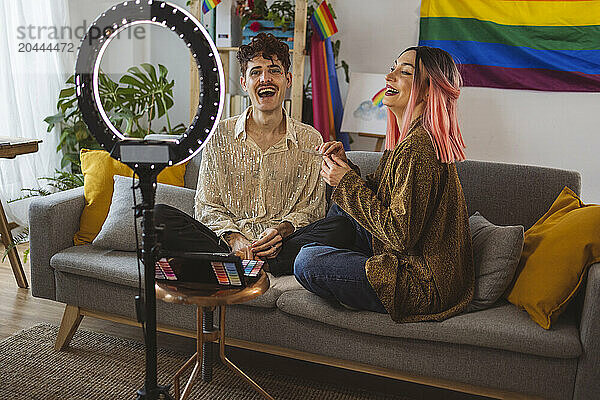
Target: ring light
(210,73)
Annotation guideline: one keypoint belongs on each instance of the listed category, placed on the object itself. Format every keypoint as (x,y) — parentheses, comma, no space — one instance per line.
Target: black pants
(180,232)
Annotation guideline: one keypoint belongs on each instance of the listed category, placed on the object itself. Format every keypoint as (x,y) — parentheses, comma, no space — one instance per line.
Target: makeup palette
(162,270)
(226,273)
(252,267)
(210,268)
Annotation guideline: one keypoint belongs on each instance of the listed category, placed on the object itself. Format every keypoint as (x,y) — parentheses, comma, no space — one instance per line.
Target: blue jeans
(339,274)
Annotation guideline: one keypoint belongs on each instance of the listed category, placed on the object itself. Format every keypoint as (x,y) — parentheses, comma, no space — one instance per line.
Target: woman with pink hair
(412,254)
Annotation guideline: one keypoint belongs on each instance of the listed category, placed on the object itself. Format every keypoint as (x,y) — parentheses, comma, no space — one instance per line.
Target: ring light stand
(149,157)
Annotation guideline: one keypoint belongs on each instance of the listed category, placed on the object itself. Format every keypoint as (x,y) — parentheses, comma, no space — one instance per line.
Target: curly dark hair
(267,45)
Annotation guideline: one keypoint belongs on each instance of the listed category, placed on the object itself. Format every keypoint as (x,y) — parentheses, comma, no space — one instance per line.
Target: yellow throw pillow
(98,169)
(556,253)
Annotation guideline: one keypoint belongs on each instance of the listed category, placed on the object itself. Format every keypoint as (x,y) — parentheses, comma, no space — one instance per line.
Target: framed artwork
(363,112)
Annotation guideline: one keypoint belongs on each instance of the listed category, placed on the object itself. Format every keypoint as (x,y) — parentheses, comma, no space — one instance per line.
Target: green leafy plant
(141,95)
(62,180)
(282,13)
(21,238)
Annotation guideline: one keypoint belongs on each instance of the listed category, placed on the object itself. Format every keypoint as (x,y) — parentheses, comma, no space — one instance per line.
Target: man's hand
(333,169)
(240,246)
(271,240)
(269,244)
(333,148)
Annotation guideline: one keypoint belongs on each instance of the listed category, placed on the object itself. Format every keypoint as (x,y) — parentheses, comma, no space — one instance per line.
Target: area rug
(98,366)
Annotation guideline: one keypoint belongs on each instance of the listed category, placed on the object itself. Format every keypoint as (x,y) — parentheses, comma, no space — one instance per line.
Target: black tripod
(147,314)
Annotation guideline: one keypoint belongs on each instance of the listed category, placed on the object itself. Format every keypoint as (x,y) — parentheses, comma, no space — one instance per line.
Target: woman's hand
(333,169)
(333,148)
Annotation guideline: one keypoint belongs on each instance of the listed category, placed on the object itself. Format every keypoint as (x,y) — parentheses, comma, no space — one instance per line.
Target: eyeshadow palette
(252,267)
(211,268)
(226,273)
(162,270)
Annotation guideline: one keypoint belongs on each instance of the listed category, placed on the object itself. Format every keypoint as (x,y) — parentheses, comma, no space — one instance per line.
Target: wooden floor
(20,310)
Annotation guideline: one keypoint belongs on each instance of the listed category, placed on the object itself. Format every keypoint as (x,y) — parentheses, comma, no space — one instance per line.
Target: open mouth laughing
(390,91)
(266,91)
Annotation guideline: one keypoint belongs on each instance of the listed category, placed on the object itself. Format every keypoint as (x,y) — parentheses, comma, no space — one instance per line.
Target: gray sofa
(499,352)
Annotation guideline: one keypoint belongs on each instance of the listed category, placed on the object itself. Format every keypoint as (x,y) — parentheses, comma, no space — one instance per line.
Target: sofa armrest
(53,220)
(587,383)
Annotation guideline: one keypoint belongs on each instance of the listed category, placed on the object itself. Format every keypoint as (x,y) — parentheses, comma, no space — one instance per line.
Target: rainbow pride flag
(377,100)
(208,5)
(551,45)
(322,20)
(328,109)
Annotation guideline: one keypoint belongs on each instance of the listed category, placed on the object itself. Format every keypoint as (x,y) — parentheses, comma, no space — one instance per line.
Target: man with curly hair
(259,187)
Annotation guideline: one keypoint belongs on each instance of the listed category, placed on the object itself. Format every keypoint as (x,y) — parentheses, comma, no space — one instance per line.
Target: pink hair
(440,113)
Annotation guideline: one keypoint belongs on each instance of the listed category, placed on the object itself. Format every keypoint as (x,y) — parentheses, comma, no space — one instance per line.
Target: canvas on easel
(364,112)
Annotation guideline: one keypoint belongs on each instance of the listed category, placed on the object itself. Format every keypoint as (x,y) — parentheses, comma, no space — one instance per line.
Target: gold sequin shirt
(243,189)
(413,205)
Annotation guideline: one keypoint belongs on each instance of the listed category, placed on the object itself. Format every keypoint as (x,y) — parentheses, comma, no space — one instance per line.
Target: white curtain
(30,82)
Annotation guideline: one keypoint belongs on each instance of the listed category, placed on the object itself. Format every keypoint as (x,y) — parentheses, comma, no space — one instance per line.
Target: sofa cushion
(120,267)
(512,194)
(504,327)
(118,232)
(557,252)
(496,252)
(112,266)
(278,285)
(98,169)
(367,161)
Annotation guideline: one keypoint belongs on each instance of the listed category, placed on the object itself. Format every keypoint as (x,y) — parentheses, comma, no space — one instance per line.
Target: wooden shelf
(228,48)
(298,54)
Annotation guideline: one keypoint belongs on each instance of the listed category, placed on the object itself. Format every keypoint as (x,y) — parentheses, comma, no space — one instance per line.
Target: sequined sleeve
(209,207)
(311,204)
(399,220)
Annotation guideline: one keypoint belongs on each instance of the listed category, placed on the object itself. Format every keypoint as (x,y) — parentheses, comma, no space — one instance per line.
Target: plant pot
(267,27)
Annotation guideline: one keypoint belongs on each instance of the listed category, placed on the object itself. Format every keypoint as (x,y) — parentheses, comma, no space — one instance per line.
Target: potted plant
(277,19)
(141,95)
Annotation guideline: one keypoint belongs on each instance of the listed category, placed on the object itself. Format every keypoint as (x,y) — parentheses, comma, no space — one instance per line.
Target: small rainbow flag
(323,21)
(208,5)
(378,98)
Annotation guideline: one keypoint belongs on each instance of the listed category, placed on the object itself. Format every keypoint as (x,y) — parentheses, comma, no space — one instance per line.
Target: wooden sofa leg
(70,322)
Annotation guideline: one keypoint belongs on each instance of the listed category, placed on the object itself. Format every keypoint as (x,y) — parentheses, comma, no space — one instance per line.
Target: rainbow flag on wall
(208,5)
(549,45)
(322,19)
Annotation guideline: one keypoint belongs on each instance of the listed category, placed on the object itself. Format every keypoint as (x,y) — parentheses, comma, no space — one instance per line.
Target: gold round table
(206,297)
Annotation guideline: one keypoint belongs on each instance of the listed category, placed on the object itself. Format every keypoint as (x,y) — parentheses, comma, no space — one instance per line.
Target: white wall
(517,126)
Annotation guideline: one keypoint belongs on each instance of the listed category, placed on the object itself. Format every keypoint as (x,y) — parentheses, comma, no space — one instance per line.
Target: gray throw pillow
(496,252)
(117,232)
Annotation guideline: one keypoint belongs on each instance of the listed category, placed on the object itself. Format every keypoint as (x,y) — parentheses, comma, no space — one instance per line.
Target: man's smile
(266,91)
